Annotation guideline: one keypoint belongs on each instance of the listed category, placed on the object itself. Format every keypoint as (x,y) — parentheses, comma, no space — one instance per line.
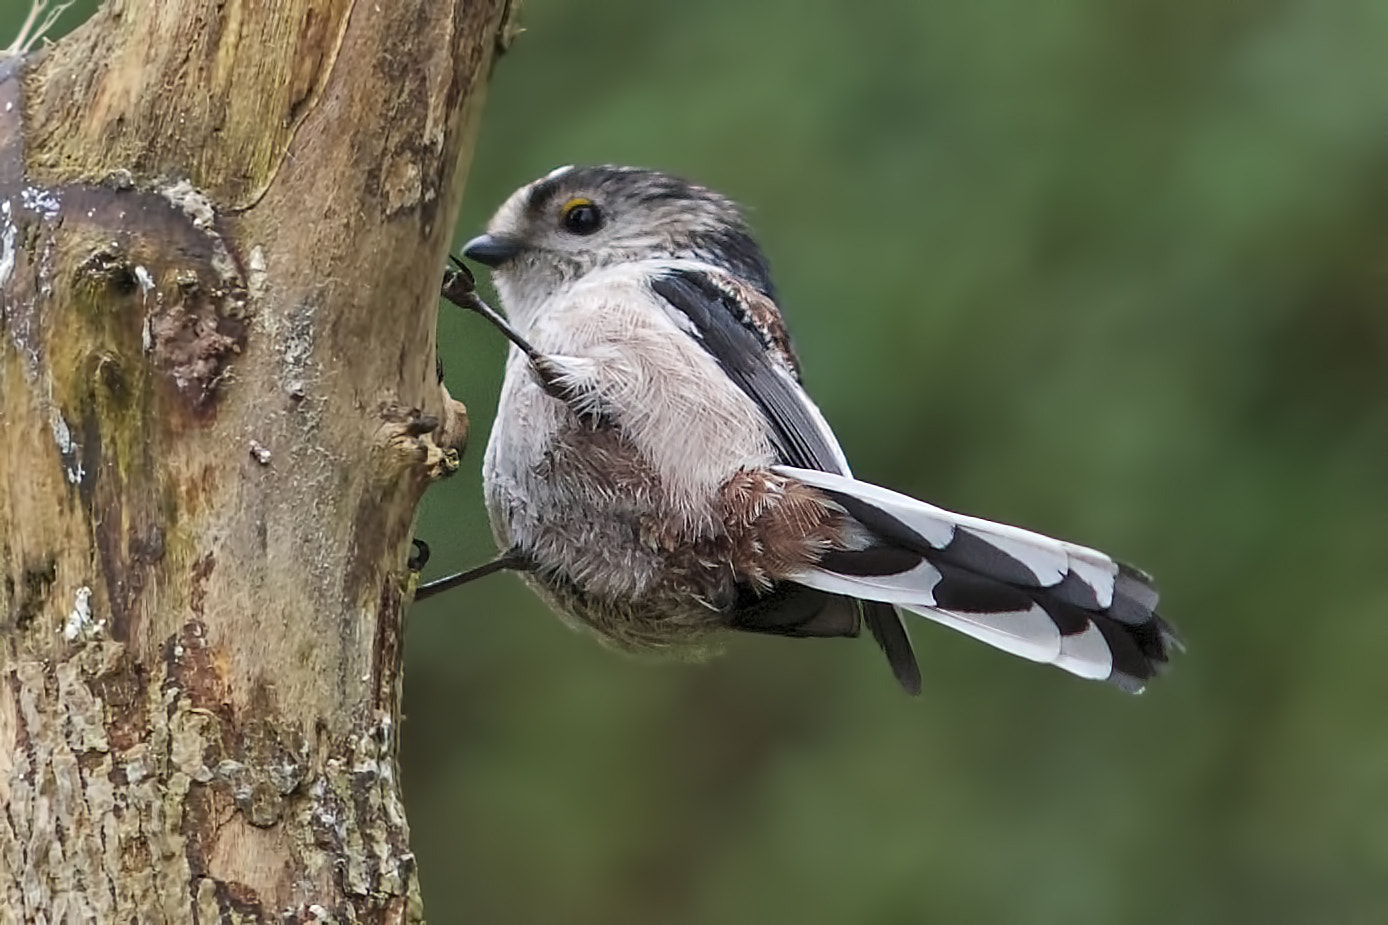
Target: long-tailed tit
(659,475)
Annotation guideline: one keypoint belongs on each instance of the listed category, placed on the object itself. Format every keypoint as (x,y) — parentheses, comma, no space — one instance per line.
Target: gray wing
(741,329)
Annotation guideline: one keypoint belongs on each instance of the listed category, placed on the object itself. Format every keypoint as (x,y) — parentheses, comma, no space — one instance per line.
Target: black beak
(491,250)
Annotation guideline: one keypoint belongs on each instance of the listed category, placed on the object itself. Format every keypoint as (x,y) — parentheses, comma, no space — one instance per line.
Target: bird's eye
(581,216)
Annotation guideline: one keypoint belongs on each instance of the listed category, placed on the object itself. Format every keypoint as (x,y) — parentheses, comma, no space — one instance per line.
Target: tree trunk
(221,236)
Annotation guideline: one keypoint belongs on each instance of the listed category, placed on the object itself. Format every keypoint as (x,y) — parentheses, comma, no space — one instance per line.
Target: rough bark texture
(221,231)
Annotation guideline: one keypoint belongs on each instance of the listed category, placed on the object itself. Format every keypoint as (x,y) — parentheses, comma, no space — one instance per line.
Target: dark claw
(462,267)
(459,285)
(420,557)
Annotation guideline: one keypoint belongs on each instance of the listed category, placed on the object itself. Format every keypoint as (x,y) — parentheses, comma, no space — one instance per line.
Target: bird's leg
(558,376)
(460,288)
(510,559)
(419,557)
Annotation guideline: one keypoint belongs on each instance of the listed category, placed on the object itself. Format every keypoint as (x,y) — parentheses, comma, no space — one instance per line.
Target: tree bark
(222,227)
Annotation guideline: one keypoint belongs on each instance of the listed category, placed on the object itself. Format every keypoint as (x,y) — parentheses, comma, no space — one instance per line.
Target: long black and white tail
(1028,594)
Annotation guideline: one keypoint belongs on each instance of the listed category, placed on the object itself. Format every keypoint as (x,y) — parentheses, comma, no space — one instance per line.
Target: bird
(658,474)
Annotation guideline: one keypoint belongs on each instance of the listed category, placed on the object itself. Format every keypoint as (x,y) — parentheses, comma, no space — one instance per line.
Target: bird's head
(575,220)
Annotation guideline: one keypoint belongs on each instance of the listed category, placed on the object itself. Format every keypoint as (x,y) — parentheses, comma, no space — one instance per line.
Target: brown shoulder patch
(764,318)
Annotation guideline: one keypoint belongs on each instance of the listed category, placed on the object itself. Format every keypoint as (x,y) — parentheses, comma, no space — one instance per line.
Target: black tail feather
(886,627)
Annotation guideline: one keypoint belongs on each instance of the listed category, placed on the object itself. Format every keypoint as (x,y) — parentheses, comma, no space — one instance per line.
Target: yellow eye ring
(581,216)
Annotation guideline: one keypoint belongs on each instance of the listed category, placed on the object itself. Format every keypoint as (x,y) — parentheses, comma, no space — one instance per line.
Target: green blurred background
(1113,271)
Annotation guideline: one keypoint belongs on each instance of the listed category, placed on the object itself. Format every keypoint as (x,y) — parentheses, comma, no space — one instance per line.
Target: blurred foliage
(1111,271)
(1114,271)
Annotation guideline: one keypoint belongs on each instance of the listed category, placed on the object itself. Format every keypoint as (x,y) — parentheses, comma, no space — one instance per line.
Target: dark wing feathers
(793,610)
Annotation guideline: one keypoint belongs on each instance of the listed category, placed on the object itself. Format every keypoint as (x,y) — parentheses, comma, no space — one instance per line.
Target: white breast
(667,395)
